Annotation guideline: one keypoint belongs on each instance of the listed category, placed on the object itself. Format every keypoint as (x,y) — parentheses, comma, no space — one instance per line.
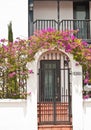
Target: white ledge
(17,103)
(87,100)
(13,100)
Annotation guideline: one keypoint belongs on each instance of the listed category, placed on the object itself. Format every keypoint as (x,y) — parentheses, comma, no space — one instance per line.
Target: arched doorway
(54,93)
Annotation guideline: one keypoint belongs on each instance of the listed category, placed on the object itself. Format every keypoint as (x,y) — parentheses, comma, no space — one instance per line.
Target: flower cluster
(51,38)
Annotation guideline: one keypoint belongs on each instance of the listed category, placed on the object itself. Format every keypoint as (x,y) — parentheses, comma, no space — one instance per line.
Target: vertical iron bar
(69,96)
(35,25)
(54,96)
(44,24)
(64,85)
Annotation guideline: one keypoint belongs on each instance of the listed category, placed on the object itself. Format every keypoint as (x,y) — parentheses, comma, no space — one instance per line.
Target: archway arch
(76,81)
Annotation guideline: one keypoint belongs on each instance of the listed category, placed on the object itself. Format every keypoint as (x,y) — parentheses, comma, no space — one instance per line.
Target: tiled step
(46,112)
(55,127)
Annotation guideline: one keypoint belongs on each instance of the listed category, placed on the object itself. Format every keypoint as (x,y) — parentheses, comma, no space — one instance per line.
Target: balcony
(83,26)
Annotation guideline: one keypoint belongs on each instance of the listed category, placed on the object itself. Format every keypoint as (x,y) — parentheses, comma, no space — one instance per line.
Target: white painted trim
(13,100)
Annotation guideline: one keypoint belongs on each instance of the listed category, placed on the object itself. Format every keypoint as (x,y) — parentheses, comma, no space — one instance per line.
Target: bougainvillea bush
(50,39)
(14,56)
(13,71)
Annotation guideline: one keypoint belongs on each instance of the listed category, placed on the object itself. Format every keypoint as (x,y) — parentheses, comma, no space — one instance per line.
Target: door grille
(54,106)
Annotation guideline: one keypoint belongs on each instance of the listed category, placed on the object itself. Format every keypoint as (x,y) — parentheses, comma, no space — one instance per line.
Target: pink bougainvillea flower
(30,51)
(49,49)
(59,41)
(11,75)
(30,71)
(68,48)
(28,93)
(73,37)
(85,96)
(15,42)
(84,43)
(86,80)
(23,73)
(46,43)
(66,38)
(5,47)
(43,31)
(3,40)
(87,75)
(77,63)
(50,30)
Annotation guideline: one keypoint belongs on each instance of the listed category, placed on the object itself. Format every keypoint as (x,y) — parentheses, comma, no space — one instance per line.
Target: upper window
(81,10)
(81,14)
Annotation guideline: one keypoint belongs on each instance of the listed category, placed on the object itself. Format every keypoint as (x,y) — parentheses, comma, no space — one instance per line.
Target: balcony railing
(44,24)
(83,26)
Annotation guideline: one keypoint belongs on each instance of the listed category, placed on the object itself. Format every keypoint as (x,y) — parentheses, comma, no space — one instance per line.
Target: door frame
(60,109)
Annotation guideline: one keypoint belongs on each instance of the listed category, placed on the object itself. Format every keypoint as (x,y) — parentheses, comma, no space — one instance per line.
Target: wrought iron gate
(54,106)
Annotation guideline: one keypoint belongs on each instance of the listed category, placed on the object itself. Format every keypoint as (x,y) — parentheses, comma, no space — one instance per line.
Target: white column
(32,99)
(77,97)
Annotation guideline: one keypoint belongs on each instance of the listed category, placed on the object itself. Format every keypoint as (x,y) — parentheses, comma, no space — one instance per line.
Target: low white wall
(87,114)
(16,115)
(13,114)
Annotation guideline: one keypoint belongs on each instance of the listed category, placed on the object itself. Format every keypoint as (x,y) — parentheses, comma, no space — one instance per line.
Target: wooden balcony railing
(44,24)
(83,26)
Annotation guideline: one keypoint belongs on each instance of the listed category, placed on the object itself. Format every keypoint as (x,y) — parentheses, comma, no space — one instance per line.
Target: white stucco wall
(87,114)
(45,10)
(66,10)
(17,12)
(17,114)
(48,10)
